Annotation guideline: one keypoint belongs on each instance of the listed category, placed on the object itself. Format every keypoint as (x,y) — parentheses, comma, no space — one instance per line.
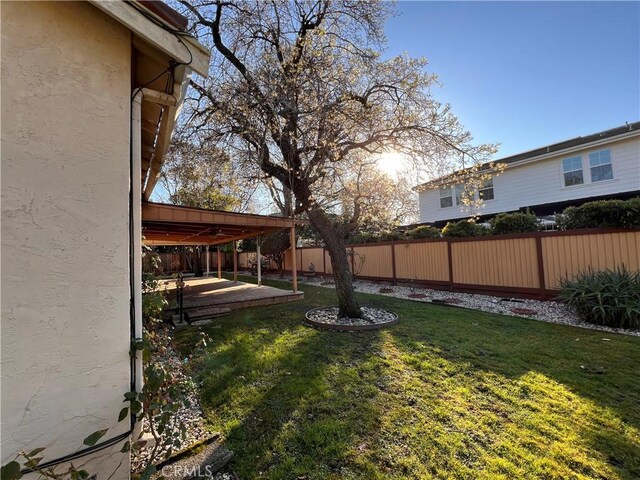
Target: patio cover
(174,225)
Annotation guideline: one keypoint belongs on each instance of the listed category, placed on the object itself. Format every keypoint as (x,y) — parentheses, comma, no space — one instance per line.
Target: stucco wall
(541,182)
(65,277)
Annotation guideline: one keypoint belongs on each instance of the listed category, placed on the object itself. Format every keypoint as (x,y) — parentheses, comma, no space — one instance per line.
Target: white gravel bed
(373,316)
(545,311)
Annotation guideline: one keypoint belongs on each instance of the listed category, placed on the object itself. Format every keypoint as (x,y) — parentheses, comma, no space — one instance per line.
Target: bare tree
(299,86)
(370,200)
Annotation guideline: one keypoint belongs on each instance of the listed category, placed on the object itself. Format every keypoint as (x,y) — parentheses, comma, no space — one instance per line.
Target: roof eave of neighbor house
(542,153)
(159,36)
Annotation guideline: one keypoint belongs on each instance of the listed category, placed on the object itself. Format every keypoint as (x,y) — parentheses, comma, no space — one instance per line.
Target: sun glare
(391,163)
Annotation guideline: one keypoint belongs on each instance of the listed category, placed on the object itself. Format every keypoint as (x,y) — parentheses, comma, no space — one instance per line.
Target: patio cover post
(207,247)
(259,259)
(294,268)
(235,261)
(219,263)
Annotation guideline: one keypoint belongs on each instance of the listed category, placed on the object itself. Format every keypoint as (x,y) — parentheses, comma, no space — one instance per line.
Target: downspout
(164,100)
(136,241)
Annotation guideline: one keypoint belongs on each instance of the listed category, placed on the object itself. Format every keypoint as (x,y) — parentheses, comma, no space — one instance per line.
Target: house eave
(159,42)
(182,48)
(632,132)
(595,143)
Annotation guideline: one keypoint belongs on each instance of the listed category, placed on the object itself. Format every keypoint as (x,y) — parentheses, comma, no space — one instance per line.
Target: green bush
(609,297)
(601,213)
(389,236)
(517,222)
(368,237)
(363,237)
(423,232)
(463,228)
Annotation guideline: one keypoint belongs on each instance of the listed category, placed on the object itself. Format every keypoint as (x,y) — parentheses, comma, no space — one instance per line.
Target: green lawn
(446,393)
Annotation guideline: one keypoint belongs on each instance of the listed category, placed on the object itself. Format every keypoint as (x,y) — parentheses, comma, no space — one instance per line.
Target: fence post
(393,261)
(235,261)
(353,268)
(324,261)
(294,268)
(543,287)
(450,260)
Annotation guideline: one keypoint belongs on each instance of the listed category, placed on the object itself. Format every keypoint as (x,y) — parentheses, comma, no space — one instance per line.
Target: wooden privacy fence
(529,265)
(184,262)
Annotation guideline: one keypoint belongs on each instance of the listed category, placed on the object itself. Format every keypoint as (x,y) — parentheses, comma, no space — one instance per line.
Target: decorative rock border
(546,311)
(346,327)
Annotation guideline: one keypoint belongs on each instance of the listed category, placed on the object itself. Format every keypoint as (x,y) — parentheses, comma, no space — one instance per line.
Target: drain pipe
(136,220)
(164,100)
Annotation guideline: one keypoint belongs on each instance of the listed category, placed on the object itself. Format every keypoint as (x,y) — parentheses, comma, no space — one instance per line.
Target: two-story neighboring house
(546,180)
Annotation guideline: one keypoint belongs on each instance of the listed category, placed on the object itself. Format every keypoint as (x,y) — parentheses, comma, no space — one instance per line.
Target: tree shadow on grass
(483,388)
(292,400)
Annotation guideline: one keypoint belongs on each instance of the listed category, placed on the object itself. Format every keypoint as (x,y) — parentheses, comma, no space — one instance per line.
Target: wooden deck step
(202,313)
(207,312)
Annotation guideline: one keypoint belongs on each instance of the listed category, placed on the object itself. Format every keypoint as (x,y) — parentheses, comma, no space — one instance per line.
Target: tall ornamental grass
(608,297)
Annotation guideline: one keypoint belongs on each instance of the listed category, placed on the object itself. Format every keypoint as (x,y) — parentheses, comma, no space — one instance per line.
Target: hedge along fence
(529,265)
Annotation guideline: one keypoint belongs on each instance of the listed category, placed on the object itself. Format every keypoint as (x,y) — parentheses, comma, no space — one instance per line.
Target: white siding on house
(66,86)
(541,182)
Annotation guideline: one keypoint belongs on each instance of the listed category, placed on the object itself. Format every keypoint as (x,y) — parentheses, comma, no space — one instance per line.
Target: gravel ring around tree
(327,318)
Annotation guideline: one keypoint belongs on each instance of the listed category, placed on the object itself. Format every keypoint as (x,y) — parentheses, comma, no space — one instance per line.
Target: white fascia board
(189,51)
(565,151)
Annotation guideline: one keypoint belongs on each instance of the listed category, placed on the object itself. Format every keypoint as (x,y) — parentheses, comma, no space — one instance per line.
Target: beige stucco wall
(65,277)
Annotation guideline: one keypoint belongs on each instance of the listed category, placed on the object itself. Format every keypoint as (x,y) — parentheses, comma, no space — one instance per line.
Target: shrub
(389,236)
(601,213)
(463,228)
(517,222)
(363,237)
(423,232)
(609,297)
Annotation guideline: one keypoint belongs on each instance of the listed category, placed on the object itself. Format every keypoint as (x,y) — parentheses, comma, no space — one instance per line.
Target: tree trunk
(348,305)
(197,261)
(279,259)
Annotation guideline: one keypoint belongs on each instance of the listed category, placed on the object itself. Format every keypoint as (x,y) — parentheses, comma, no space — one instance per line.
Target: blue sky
(527,74)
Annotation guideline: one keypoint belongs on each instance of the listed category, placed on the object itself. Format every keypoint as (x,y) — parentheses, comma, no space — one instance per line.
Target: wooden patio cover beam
(174,225)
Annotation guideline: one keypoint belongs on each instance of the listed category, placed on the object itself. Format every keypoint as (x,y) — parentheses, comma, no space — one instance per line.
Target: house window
(485,192)
(459,194)
(446,197)
(600,165)
(572,170)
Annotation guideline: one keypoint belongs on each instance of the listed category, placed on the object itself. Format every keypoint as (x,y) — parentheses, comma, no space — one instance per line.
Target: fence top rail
(484,238)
